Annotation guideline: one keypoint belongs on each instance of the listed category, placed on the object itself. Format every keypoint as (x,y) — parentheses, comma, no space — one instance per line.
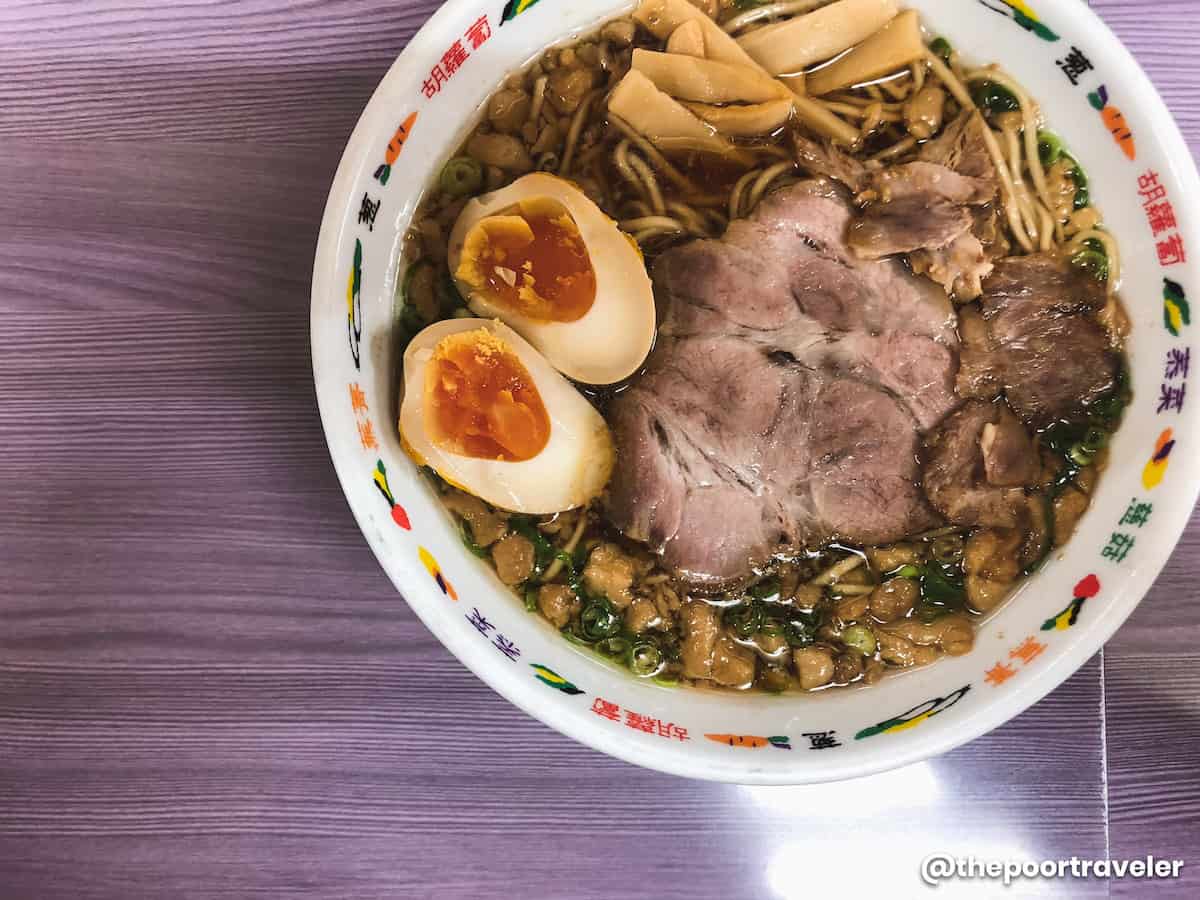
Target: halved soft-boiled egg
(493,417)
(543,258)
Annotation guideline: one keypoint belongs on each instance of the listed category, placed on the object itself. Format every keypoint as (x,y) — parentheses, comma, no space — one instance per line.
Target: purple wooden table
(207,686)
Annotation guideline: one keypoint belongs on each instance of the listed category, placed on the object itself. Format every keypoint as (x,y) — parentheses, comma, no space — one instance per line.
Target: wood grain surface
(207,686)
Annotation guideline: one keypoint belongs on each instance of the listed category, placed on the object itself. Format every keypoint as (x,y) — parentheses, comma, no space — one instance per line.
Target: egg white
(570,470)
(611,340)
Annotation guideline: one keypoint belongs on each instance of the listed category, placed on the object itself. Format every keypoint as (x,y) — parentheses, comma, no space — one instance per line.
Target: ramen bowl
(1143,182)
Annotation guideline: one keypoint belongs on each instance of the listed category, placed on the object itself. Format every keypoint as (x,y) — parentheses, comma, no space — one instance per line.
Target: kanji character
(821,740)
(998,674)
(358,399)
(453,58)
(1149,188)
(476,618)
(433,84)
(366,435)
(1137,513)
(1171,397)
(507,647)
(1028,650)
(609,710)
(368,210)
(479,32)
(1171,251)
(671,730)
(640,722)
(1161,216)
(1118,547)
(1178,363)
(1075,64)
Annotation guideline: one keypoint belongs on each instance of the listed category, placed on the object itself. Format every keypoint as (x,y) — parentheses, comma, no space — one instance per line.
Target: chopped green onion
(598,621)
(531,599)
(993,97)
(907,571)
(942,48)
(1080,455)
(469,542)
(772,630)
(1095,264)
(800,631)
(1050,148)
(1108,409)
(448,293)
(409,274)
(462,176)
(543,550)
(645,659)
(947,549)
(1095,440)
(860,638)
(614,647)
(928,613)
(574,637)
(942,586)
(745,618)
(767,589)
(571,572)
(1083,193)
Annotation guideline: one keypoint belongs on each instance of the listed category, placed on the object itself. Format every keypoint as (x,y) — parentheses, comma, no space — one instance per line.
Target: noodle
(657,159)
(770,11)
(1110,248)
(653,222)
(896,149)
(556,566)
(872,119)
(539,99)
(889,87)
(837,570)
(1030,127)
(764,181)
(918,75)
(573,131)
(651,183)
(1047,226)
(690,217)
(735,196)
(1007,190)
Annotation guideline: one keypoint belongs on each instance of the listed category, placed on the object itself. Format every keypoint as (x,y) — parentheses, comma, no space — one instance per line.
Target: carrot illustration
(395,145)
(1114,121)
(751,741)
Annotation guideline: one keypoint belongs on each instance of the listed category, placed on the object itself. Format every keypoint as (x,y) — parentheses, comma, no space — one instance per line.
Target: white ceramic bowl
(1022,653)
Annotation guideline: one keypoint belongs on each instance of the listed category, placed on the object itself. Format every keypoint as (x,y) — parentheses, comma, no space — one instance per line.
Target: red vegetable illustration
(1114,119)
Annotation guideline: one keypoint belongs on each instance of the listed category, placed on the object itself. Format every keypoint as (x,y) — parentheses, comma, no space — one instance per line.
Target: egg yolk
(531,259)
(480,400)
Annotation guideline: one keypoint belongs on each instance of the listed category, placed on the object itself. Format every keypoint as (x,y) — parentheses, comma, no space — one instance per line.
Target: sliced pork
(977,464)
(1036,338)
(930,208)
(784,401)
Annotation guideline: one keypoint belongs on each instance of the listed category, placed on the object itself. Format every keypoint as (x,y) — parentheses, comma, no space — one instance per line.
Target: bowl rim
(356,156)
